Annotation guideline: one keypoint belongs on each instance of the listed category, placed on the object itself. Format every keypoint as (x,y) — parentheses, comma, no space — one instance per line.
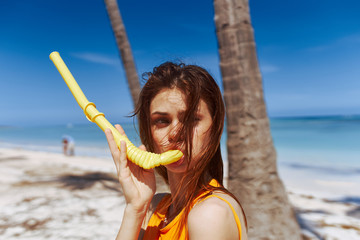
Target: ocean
(318,140)
(319,153)
(329,140)
(326,148)
(89,138)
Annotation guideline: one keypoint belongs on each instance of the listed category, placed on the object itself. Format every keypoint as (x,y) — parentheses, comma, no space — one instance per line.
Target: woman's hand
(138,184)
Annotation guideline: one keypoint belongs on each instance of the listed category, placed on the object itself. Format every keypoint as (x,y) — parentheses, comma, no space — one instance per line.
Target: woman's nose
(174,135)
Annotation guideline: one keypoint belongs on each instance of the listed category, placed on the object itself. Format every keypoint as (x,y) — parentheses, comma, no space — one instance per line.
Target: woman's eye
(161,122)
(197,119)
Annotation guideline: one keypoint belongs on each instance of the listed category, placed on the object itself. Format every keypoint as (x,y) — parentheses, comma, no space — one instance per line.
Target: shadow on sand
(88,180)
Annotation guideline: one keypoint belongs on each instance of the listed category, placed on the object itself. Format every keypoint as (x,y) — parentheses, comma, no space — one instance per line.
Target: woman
(180,107)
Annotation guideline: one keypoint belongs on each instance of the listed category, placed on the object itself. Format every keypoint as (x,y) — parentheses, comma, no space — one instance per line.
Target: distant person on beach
(68,145)
(180,107)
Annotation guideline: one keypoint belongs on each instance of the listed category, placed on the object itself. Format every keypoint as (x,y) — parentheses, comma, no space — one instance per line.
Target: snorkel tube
(140,157)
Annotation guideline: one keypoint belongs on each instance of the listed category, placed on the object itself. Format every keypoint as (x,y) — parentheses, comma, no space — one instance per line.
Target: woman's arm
(131,224)
(138,186)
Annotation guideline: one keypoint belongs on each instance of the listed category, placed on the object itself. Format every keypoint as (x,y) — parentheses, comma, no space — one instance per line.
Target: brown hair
(196,84)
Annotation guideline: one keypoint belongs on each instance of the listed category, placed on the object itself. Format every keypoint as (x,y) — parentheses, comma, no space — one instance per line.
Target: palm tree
(124,48)
(253,175)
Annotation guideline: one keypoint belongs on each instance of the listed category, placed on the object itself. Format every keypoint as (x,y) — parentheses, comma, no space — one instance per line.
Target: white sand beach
(51,196)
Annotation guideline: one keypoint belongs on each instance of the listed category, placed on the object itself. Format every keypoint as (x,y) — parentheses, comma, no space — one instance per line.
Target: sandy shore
(51,196)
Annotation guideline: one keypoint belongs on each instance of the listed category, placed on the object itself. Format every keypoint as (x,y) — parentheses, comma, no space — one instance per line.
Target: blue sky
(309,54)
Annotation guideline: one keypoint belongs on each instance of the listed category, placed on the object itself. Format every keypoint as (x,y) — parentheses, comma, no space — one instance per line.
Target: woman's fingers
(123,157)
(119,155)
(142,147)
(120,129)
(115,153)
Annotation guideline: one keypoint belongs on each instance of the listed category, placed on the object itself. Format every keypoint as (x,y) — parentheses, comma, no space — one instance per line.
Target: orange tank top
(169,232)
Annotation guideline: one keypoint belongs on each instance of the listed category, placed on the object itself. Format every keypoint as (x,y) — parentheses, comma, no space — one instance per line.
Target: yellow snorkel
(142,158)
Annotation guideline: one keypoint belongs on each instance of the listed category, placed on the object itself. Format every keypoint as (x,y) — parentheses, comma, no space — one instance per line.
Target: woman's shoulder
(216,216)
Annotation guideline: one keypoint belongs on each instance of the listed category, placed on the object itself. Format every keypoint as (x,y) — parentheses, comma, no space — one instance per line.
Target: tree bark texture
(124,48)
(253,176)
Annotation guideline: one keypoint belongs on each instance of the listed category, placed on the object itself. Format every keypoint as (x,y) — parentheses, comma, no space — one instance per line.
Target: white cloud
(340,42)
(355,38)
(98,58)
(267,68)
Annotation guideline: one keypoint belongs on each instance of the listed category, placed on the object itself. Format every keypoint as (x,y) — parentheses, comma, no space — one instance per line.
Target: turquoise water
(317,154)
(301,142)
(337,133)
(321,141)
(89,139)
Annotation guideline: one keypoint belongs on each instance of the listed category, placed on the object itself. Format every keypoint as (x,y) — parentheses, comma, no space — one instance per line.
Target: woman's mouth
(177,163)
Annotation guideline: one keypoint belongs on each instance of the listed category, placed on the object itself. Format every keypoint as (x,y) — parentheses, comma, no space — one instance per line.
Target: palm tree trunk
(124,48)
(253,176)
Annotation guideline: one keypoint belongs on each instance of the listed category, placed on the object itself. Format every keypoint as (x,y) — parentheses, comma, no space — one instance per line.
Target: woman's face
(166,116)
